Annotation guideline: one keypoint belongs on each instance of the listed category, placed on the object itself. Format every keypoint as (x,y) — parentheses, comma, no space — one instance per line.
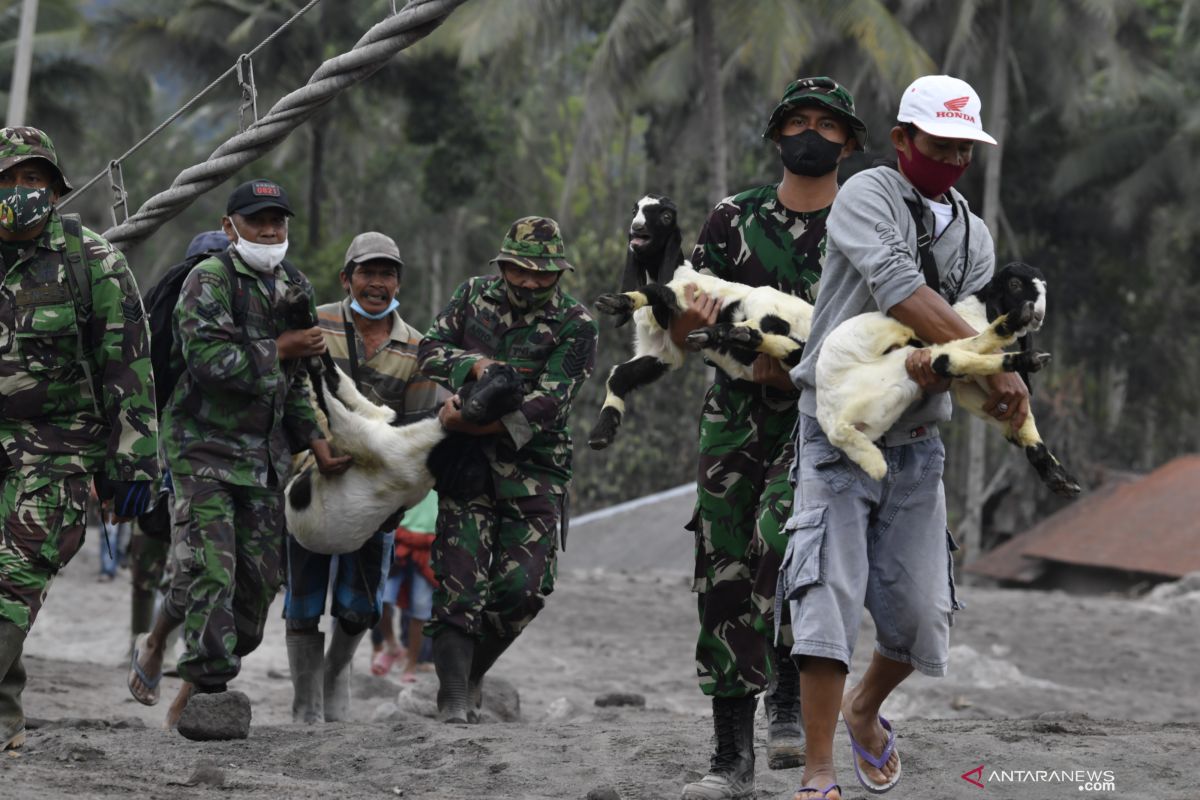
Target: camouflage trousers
(43,519)
(495,561)
(227,558)
(743,501)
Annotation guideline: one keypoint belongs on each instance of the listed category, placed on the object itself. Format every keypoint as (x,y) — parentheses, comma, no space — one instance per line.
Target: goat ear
(1026,344)
(629,279)
(672,257)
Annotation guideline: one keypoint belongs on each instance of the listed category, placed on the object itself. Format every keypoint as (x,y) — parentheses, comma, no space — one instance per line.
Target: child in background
(410,568)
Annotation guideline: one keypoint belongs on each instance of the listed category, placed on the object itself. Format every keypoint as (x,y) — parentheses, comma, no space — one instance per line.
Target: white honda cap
(943,106)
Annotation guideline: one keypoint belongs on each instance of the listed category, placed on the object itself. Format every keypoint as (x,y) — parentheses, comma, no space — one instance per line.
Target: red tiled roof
(1150,525)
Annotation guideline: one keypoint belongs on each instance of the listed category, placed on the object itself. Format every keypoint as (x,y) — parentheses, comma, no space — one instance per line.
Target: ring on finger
(1002,407)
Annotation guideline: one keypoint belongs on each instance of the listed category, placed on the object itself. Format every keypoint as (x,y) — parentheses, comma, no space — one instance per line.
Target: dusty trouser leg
(357,607)
(43,525)
(306,663)
(462,557)
(781,702)
(12,683)
(303,604)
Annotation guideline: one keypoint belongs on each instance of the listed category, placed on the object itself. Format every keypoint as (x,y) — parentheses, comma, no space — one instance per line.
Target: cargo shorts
(855,542)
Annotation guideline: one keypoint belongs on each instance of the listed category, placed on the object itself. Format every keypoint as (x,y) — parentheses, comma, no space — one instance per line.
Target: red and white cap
(943,106)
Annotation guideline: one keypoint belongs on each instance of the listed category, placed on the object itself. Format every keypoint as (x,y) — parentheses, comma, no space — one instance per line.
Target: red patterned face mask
(932,178)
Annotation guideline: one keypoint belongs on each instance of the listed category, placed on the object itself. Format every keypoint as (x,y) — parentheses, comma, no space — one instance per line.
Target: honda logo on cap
(266,190)
(957,103)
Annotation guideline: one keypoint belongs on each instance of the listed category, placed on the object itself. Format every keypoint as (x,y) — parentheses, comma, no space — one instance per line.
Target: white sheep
(394,466)
(863,386)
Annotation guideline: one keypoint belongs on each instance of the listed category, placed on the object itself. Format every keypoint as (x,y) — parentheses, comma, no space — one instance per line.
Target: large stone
(603,793)
(211,717)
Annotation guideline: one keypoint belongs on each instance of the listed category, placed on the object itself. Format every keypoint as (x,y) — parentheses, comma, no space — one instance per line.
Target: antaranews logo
(1085,780)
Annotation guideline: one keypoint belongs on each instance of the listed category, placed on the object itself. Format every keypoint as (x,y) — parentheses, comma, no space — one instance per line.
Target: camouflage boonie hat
(22,144)
(534,243)
(822,91)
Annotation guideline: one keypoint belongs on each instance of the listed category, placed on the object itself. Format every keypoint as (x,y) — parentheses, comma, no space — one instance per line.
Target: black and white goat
(394,466)
(751,320)
(863,386)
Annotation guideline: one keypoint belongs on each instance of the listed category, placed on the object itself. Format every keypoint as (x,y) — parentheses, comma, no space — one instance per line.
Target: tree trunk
(972,528)
(316,186)
(708,66)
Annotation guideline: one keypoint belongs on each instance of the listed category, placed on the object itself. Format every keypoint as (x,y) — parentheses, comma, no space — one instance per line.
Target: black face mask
(809,154)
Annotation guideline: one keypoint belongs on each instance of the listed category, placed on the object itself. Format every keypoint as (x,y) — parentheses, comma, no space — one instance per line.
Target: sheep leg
(860,449)
(1051,471)
(342,388)
(623,379)
(747,336)
(950,361)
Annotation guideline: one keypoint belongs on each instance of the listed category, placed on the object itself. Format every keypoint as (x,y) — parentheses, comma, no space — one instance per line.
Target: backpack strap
(352,350)
(924,245)
(80,282)
(241,303)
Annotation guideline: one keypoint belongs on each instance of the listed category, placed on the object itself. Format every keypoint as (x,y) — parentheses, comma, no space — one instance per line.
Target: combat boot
(785,727)
(453,652)
(12,683)
(731,769)
(487,651)
(338,672)
(306,654)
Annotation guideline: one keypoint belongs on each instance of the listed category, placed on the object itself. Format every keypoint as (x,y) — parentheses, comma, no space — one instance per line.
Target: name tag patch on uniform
(42,295)
(478,330)
(531,352)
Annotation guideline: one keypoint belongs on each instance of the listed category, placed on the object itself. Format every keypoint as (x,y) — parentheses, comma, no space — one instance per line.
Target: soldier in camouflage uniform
(495,555)
(238,412)
(76,394)
(771,235)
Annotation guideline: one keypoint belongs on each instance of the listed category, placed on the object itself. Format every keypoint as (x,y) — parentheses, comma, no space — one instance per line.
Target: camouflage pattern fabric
(237,413)
(495,563)
(534,243)
(553,347)
(22,144)
(227,553)
(52,440)
(43,518)
(746,450)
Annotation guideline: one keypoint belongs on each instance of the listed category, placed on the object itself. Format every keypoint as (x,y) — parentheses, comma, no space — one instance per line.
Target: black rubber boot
(785,727)
(338,672)
(731,769)
(487,652)
(306,660)
(453,651)
(12,683)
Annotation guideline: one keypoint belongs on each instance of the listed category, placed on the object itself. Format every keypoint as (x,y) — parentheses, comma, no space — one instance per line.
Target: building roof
(1150,525)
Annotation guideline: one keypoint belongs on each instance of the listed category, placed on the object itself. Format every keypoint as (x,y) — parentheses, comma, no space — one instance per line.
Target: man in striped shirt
(372,344)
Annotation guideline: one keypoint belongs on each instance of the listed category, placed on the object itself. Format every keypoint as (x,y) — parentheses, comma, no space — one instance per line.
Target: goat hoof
(1062,484)
(702,337)
(1038,360)
(600,442)
(744,336)
(614,304)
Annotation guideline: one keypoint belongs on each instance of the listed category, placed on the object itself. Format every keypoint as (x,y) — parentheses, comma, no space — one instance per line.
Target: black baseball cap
(254,196)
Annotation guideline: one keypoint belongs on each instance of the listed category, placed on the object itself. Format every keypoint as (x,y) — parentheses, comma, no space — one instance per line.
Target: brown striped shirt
(390,377)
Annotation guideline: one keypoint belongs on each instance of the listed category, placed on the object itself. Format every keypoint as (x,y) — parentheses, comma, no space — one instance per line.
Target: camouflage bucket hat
(22,144)
(534,243)
(822,91)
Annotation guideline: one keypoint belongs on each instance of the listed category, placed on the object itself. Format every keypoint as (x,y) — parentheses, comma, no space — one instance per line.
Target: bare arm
(935,322)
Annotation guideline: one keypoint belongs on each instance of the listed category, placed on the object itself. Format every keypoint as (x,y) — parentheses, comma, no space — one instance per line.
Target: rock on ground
(216,717)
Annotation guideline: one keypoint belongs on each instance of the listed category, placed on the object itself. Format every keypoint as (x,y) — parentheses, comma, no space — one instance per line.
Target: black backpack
(160,307)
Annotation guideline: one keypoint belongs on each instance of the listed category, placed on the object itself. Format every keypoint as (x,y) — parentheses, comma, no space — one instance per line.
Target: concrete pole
(18,93)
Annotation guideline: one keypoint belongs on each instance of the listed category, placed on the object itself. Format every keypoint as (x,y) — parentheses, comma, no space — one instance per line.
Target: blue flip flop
(135,670)
(877,763)
(823,792)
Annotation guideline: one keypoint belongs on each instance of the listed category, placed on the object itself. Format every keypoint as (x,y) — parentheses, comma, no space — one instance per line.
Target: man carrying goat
(903,242)
(494,555)
(370,342)
(772,235)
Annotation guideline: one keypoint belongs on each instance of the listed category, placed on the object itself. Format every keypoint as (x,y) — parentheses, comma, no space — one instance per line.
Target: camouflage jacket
(47,411)
(554,347)
(237,412)
(752,238)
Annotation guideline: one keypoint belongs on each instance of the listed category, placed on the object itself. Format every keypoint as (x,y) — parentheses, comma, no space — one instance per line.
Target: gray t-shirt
(871,264)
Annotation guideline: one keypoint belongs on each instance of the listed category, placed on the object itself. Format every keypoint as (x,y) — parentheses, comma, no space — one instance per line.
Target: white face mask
(260,257)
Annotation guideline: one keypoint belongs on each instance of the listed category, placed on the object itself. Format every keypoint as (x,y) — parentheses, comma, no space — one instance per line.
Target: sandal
(137,673)
(823,792)
(877,763)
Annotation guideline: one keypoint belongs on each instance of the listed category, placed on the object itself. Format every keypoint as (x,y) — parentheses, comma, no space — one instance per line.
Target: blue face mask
(362,312)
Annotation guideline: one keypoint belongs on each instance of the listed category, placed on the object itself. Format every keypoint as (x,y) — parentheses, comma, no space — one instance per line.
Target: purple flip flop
(877,763)
(823,792)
